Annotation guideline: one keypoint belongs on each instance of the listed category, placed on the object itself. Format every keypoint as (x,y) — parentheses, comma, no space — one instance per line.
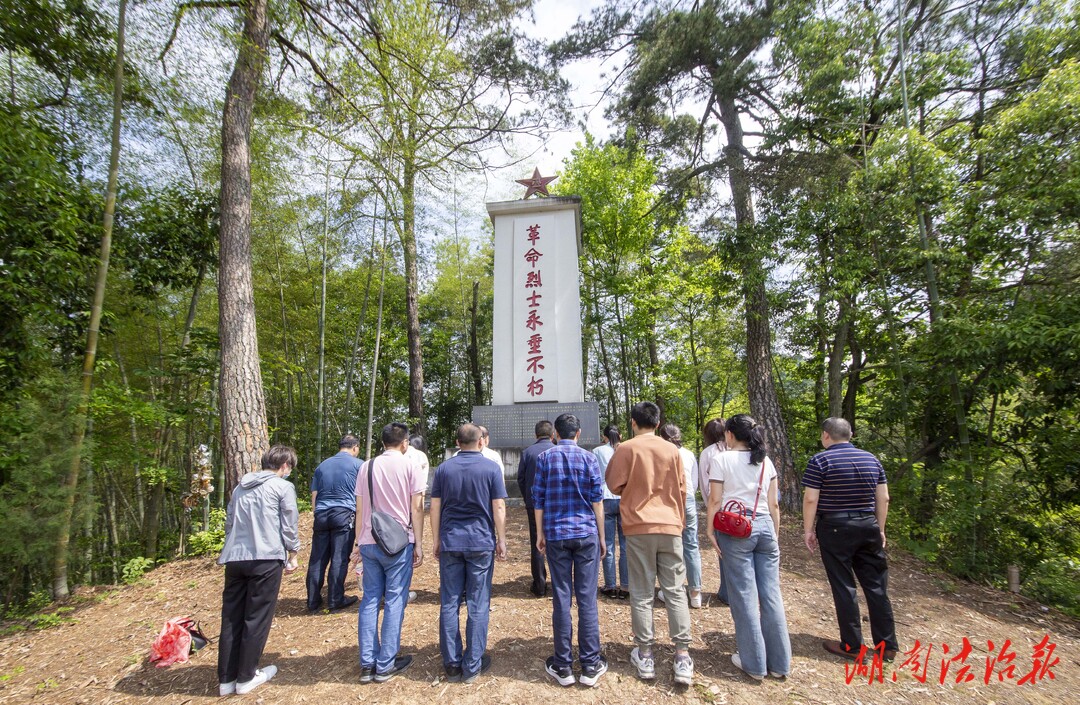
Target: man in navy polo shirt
(846,495)
(468,528)
(568,494)
(525,474)
(333,499)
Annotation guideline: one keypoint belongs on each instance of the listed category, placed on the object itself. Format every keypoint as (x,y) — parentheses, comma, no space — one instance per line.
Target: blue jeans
(690,552)
(613,525)
(752,569)
(468,572)
(573,565)
(385,578)
(332,539)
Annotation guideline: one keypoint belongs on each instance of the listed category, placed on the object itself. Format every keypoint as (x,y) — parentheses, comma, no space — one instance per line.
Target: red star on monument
(537,184)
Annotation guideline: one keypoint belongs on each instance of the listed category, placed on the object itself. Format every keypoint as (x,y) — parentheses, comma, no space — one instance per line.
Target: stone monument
(536,346)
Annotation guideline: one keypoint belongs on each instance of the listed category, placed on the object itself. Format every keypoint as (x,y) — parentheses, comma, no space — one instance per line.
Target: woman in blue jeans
(691,554)
(751,564)
(612,523)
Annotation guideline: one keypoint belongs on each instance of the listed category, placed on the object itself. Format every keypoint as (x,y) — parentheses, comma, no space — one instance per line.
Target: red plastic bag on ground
(173,644)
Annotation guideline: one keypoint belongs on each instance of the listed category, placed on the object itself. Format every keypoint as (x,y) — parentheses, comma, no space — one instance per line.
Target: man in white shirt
(485,447)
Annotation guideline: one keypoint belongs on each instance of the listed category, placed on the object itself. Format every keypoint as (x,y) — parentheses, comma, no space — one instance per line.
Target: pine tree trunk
(71,482)
(764,403)
(244,436)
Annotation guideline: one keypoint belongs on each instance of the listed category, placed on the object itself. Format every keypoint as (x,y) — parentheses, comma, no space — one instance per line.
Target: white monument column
(536,351)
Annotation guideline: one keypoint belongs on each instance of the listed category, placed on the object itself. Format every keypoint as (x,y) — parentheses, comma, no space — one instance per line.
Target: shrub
(1054,581)
(211,541)
(136,567)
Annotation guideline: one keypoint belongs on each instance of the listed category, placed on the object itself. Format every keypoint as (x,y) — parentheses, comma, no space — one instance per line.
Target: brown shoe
(889,655)
(838,649)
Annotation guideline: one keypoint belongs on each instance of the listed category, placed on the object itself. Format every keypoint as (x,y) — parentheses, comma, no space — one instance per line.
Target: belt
(844,515)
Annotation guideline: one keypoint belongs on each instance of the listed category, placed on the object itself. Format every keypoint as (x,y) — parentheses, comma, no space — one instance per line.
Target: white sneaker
(660,596)
(684,670)
(412,597)
(227,688)
(695,601)
(591,676)
(646,668)
(261,676)
(738,664)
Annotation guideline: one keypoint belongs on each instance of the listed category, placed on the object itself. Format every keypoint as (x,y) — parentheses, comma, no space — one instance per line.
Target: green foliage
(136,568)
(44,248)
(48,620)
(1055,581)
(212,539)
(65,39)
(35,428)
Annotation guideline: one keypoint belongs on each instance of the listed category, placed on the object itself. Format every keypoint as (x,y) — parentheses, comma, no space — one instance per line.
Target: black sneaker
(453,673)
(563,675)
(485,664)
(367,674)
(590,675)
(401,663)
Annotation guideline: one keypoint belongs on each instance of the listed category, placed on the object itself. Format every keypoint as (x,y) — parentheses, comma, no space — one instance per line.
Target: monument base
(514,425)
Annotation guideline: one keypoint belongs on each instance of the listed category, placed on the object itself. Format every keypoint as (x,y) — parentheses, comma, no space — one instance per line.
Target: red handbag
(731,520)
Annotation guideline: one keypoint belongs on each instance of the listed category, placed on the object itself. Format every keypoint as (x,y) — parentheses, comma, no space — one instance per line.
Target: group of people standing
(628,508)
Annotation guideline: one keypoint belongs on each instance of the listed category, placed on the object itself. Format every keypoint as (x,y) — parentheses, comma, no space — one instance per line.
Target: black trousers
(536,559)
(851,550)
(331,543)
(247,610)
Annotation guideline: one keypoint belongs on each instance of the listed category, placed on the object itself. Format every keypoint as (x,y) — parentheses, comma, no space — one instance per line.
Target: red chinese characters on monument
(534,387)
(953,667)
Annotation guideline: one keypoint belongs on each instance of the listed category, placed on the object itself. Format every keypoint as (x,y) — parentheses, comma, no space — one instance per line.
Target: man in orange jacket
(646,471)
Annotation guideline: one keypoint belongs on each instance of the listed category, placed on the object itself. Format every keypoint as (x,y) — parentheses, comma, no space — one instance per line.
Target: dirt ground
(100,657)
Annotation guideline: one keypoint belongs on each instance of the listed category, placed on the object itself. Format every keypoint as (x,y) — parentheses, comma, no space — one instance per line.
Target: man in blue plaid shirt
(568,495)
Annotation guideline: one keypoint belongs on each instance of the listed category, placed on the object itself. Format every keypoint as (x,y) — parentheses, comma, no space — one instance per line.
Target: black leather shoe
(348,602)
(401,663)
(313,608)
(453,673)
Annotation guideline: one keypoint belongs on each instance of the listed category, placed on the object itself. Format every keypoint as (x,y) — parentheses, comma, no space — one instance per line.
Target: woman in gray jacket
(261,541)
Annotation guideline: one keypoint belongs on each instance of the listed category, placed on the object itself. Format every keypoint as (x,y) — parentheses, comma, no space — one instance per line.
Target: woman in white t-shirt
(752,564)
(691,554)
(712,434)
(615,586)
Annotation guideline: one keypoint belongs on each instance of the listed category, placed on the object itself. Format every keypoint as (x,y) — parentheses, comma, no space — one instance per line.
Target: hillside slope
(100,658)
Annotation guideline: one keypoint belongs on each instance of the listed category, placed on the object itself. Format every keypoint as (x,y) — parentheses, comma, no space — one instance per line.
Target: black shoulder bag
(389,535)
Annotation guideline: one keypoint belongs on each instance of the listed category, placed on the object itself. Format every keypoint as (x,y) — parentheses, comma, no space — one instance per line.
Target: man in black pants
(333,499)
(526,472)
(845,492)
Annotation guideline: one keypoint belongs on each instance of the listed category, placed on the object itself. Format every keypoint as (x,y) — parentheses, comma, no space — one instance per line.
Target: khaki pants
(651,557)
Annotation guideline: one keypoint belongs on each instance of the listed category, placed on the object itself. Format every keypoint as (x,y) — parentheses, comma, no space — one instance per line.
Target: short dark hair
(394,434)
(348,441)
(417,441)
(278,456)
(645,414)
(567,426)
(468,434)
(838,429)
(544,429)
(671,433)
